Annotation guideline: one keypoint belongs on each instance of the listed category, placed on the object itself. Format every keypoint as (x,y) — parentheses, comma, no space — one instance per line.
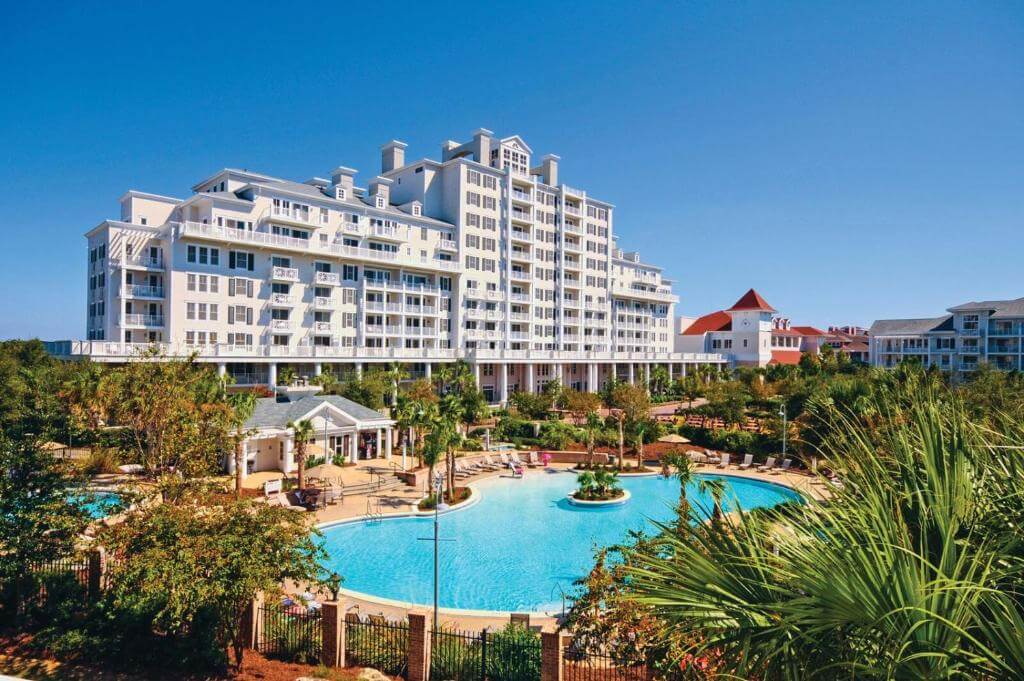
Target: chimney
(548,170)
(482,145)
(392,155)
(380,187)
(341,182)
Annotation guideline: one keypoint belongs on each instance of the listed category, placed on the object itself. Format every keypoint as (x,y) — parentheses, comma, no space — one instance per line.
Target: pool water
(100,504)
(519,546)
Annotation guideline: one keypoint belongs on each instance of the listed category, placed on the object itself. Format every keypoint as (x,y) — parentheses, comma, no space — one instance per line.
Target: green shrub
(100,460)
(558,435)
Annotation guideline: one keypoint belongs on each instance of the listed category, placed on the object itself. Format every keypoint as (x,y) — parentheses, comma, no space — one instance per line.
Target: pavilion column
(502,371)
(671,372)
(245,459)
(289,460)
(388,442)
(530,380)
(272,374)
(591,378)
(476,374)
(353,446)
(377,449)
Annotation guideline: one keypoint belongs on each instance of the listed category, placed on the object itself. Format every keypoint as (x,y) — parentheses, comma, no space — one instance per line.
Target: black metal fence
(581,666)
(378,644)
(289,633)
(48,582)
(511,654)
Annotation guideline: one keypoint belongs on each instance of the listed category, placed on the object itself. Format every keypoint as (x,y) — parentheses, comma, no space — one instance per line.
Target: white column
(377,449)
(476,374)
(631,375)
(531,382)
(245,459)
(289,460)
(502,371)
(684,369)
(428,370)
(557,370)
(359,370)
(647,375)
(272,374)
(222,368)
(671,372)
(388,441)
(353,449)
(318,369)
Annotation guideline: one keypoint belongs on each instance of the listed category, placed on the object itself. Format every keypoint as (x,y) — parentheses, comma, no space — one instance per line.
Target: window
(240,260)
(240,287)
(348,296)
(350,272)
(490,203)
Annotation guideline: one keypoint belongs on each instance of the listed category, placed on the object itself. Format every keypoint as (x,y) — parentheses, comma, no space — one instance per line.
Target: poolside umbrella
(674,439)
(325,471)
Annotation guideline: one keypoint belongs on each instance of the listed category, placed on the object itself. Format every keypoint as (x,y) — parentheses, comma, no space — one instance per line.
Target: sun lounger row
(769,466)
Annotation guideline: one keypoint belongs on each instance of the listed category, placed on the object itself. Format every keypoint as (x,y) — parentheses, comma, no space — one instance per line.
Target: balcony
(572,210)
(295,216)
(520,195)
(394,330)
(570,227)
(448,245)
(143,320)
(327,278)
(520,235)
(374,306)
(142,262)
(281,300)
(323,327)
(519,316)
(519,297)
(322,303)
(571,247)
(519,275)
(973,331)
(310,246)
(573,190)
(373,328)
(1005,330)
(522,256)
(143,291)
(521,215)
(284,325)
(290,274)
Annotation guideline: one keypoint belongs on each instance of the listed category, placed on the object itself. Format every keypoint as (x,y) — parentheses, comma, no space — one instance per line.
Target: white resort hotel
(481,256)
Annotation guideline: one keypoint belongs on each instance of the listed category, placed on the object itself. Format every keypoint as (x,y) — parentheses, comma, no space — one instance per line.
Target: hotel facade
(482,256)
(990,331)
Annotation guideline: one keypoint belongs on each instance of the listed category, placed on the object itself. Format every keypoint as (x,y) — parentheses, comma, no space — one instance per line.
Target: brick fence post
(97,567)
(332,623)
(419,647)
(250,624)
(551,651)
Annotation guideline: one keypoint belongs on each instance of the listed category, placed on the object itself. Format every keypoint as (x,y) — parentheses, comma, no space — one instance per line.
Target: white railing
(323,327)
(310,245)
(108,350)
(572,248)
(394,330)
(573,211)
(321,301)
(519,274)
(572,190)
(328,278)
(575,229)
(143,261)
(374,306)
(281,299)
(143,291)
(520,234)
(280,325)
(285,273)
(143,320)
(448,244)
(385,231)
(300,215)
(373,328)
(394,307)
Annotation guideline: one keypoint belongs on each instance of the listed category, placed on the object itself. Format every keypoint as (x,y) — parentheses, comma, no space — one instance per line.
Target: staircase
(376,485)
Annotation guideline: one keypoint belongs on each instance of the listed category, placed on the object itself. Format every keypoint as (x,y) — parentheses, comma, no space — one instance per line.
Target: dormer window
(340,193)
(380,202)
(416,210)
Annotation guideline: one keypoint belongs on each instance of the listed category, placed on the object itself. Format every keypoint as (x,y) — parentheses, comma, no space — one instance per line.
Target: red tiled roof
(752,300)
(808,331)
(786,332)
(716,321)
(785,357)
(855,346)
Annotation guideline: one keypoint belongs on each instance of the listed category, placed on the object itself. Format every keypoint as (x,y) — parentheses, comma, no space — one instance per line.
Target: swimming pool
(518,546)
(100,504)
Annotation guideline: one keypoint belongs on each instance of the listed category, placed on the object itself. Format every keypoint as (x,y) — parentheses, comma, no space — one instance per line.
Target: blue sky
(849,160)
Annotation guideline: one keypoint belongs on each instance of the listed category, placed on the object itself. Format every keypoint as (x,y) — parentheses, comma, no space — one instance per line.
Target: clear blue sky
(849,160)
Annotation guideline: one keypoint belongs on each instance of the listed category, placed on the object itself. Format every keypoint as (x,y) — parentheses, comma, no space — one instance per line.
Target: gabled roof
(751,300)
(518,140)
(716,321)
(910,327)
(809,331)
(997,306)
(785,357)
(272,413)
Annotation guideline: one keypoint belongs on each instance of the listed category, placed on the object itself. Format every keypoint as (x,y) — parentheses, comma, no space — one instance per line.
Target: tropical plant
(287,376)
(243,406)
(302,435)
(910,570)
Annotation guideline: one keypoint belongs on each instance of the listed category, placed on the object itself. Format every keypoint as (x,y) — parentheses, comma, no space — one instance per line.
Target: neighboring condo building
(481,256)
(990,331)
(750,334)
(851,341)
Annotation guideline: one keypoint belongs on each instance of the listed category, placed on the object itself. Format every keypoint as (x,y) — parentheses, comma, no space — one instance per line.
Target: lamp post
(782,413)
(438,484)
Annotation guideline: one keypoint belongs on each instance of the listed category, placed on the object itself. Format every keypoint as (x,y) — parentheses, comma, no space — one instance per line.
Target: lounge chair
(724,463)
(748,461)
(489,464)
(782,468)
(281,499)
(531,459)
(768,465)
(461,472)
(505,461)
(515,459)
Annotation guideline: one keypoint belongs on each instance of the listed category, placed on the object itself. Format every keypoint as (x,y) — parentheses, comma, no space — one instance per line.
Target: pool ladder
(373,512)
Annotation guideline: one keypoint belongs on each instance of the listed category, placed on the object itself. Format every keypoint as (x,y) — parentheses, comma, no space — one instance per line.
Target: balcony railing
(143,261)
(280,325)
(284,273)
(282,299)
(323,327)
(327,278)
(322,302)
(147,320)
(143,291)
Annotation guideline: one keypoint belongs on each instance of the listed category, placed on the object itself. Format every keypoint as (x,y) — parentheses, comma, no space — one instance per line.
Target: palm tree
(395,373)
(243,405)
(302,433)
(911,569)
(715,487)
(682,469)
(641,431)
(287,376)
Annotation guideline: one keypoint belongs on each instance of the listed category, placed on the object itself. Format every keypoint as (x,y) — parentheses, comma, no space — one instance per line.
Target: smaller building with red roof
(750,333)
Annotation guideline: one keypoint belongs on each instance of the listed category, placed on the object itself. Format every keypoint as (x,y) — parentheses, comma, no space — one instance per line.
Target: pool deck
(404,500)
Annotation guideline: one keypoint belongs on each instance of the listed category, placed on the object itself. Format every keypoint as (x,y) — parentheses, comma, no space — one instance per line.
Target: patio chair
(516,460)
(724,463)
(712,457)
(489,464)
(531,459)
(768,465)
(748,461)
(781,468)
(505,461)
(461,472)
